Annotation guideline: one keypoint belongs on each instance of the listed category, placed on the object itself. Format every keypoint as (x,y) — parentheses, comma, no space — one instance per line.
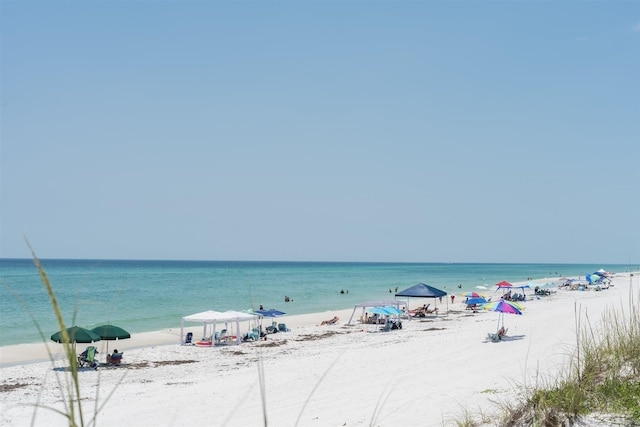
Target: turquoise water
(145,296)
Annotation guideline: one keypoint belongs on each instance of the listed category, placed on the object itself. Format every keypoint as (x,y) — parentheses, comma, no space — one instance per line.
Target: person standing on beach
(452,298)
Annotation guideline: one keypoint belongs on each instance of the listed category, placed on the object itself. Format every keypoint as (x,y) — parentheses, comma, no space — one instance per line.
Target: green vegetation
(70,381)
(604,377)
(468,418)
(72,398)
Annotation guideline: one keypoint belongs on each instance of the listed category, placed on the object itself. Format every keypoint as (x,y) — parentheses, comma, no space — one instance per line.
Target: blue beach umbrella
(476,300)
(272,312)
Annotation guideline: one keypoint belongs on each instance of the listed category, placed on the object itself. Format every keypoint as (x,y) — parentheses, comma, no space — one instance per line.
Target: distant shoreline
(158,293)
(35,352)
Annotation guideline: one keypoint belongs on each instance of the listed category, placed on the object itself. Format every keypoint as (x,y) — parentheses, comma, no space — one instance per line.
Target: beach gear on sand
(88,357)
(115,358)
(110,333)
(502,307)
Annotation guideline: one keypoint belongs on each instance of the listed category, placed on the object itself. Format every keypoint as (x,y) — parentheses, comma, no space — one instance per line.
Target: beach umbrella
(472,295)
(76,334)
(272,312)
(476,300)
(502,307)
(504,284)
(111,333)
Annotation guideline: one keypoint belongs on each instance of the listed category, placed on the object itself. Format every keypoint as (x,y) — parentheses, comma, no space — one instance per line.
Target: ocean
(142,296)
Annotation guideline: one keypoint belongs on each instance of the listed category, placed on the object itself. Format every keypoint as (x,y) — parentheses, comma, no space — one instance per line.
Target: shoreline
(314,287)
(24,354)
(27,353)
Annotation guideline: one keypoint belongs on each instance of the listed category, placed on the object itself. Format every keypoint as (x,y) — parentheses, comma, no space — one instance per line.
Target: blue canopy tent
(511,288)
(384,303)
(423,291)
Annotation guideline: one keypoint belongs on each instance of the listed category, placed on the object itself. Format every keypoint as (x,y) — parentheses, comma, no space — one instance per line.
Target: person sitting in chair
(114,358)
(501,332)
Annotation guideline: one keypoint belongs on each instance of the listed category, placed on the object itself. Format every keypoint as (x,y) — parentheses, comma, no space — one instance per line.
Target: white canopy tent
(364,305)
(213,318)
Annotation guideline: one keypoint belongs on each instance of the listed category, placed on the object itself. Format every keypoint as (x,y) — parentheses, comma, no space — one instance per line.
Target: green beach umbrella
(111,333)
(76,334)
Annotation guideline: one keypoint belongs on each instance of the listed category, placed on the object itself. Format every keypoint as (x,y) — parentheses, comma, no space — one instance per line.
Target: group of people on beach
(89,357)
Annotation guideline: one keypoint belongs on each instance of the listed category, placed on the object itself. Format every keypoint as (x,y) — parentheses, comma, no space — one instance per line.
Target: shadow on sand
(492,338)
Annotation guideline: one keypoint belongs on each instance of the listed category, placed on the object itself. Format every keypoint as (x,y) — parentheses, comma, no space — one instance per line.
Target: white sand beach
(425,374)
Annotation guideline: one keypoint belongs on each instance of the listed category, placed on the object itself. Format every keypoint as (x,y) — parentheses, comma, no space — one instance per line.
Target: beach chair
(115,358)
(332,321)
(493,337)
(498,336)
(272,329)
(189,339)
(222,337)
(420,312)
(283,328)
(252,335)
(88,358)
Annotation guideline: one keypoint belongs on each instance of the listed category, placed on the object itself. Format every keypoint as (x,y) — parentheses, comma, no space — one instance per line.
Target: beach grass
(603,379)
(73,402)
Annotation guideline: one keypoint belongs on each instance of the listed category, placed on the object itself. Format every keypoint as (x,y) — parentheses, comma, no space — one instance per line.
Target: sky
(404,131)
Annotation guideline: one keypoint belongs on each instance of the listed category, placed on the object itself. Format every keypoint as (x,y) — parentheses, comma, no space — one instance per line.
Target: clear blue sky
(321,130)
